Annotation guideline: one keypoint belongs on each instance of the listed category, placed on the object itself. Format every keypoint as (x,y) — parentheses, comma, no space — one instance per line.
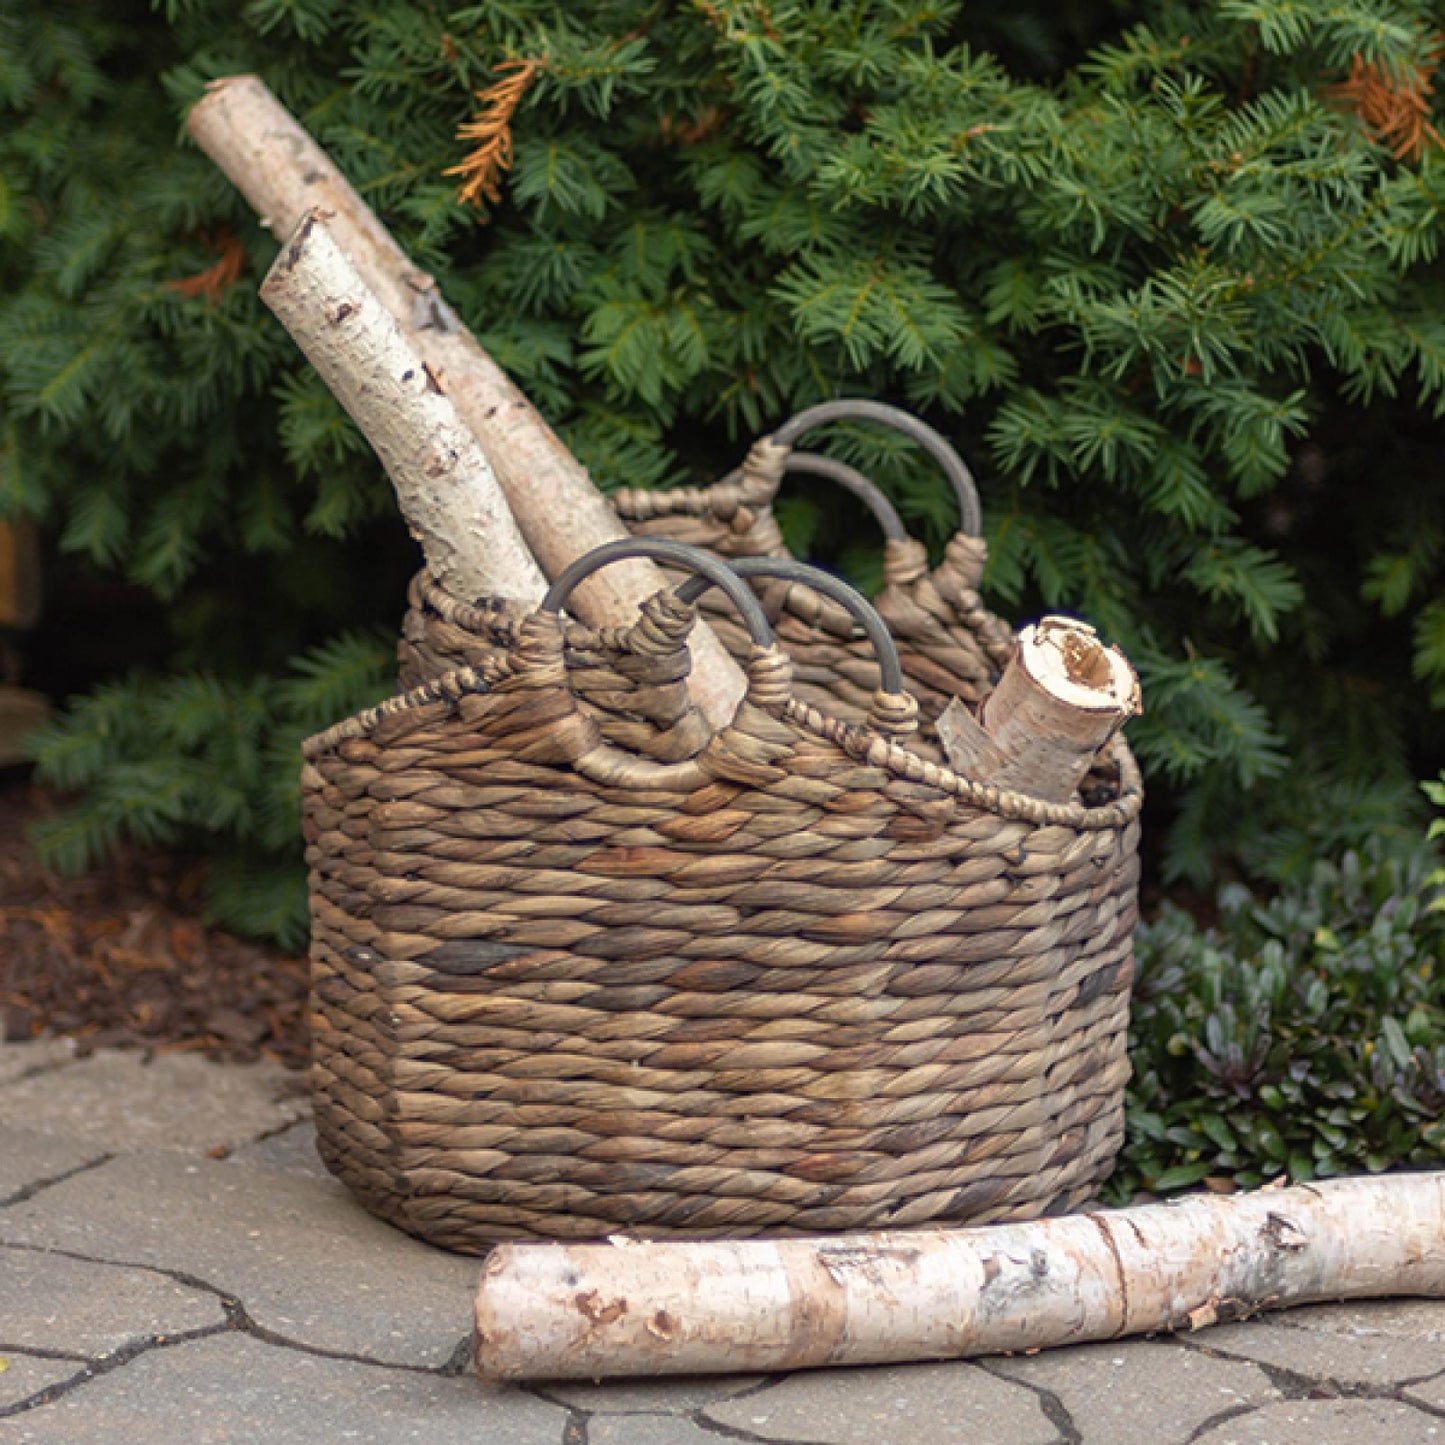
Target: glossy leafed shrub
(1302,1036)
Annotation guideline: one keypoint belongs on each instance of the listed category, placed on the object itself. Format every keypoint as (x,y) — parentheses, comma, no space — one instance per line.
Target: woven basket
(950,645)
(801,979)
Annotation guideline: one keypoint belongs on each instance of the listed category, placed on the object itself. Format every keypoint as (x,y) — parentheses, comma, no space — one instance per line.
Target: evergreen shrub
(1167,273)
(1303,1036)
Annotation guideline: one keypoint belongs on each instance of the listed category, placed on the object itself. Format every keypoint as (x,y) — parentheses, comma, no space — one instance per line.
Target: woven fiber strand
(801,979)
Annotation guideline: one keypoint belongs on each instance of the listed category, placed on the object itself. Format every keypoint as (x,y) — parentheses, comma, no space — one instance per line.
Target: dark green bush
(1176,301)
(1302,1036)
(164,761)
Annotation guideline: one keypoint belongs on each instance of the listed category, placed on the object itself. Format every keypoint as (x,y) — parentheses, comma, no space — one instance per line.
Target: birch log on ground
(553,1311)
(448,493)
(1061,698)
(283,173)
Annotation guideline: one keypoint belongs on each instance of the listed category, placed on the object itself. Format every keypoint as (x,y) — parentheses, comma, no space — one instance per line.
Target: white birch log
(283,173)
(552,1311)
(448,494)
(1061,698)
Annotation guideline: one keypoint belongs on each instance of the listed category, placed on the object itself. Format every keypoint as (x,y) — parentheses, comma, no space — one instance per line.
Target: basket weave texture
(581,967)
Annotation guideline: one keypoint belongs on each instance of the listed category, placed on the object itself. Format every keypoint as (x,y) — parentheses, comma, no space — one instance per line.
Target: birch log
(283,173)
(552,1311)
(1062,696)
(448,493)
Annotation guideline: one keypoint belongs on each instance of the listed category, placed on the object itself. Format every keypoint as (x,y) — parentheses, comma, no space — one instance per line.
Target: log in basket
(583,966)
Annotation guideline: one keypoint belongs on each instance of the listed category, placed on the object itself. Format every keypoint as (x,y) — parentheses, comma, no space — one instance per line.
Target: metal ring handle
(676,554)
(970,517)
(850,479)
(786,569)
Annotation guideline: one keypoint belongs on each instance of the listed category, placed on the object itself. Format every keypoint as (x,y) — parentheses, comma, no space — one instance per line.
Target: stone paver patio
(176,1266)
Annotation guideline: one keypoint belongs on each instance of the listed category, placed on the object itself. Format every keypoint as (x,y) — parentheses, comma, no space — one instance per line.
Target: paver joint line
(94,1368)
(1055,1411)
(708,1426)
(245,1325)
(36,1186)
(41,1352)
(1235,1412)
(1296,1385)
(179,1276)
(239,1319)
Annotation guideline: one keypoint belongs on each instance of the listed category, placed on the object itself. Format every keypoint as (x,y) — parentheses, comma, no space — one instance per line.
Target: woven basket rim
(857,741)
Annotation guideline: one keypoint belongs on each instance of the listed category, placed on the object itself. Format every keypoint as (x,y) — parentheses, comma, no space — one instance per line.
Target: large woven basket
(949,643)
(796,978)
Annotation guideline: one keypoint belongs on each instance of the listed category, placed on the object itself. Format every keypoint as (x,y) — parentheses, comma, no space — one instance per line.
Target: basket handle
(663,626)
(894,712)
(970,517)
(676,554)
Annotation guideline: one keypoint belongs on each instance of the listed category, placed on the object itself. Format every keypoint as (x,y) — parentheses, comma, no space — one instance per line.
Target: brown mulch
(122,956)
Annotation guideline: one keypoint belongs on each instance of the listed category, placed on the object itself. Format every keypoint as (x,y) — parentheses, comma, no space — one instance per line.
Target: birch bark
(447,492)
(1062,696)
(283,173)
(632,1308)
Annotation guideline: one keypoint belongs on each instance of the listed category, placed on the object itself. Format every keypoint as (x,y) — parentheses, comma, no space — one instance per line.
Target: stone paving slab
(306,1260)
(23,1375)
(892,1403)
(29,1158)
(292,1149)
(123,1101)
(1112,1391)
(345,1329)
(51,1302)
(233,1388)
(681,1395)
(34,1056)
(1379,1343)
(649,1430)
(1313,1422)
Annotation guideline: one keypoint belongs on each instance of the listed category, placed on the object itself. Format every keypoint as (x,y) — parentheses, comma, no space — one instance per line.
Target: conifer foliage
(1170,282)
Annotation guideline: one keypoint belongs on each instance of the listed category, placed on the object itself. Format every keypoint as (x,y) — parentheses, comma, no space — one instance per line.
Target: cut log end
(1067,660)
(1060,700)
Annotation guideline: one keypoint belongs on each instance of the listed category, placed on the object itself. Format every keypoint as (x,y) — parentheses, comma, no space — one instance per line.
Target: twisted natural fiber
(797,978)
(440,632)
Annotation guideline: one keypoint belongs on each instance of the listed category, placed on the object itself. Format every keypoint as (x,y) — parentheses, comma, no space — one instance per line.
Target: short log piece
(1061,698)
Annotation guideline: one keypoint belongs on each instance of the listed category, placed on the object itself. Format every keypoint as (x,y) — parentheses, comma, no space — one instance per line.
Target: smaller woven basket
(586,969)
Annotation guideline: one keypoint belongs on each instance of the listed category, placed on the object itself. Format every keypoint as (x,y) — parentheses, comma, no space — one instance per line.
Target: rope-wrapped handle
(676,554)
(894,712)
(662,629)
